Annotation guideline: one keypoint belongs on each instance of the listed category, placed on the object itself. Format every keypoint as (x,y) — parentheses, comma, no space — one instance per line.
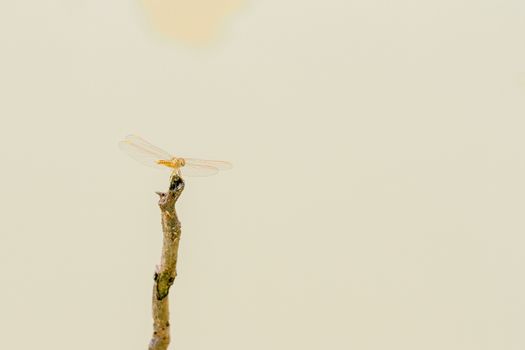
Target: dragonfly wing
(143,151)
(219,164)
(198,170)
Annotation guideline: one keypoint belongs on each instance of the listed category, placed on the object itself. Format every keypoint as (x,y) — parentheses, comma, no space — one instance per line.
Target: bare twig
(165,273)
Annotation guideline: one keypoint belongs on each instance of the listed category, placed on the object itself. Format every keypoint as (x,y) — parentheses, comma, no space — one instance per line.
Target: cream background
(377,200)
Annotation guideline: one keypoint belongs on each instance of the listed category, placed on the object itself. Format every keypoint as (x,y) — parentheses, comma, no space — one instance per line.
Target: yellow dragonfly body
(148,154)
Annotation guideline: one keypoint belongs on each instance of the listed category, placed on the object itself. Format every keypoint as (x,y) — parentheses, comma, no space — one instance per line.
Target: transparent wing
(144,152)
(219,164)
(198,170)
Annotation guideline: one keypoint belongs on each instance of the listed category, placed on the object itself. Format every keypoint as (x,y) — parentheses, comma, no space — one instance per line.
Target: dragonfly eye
(182,162)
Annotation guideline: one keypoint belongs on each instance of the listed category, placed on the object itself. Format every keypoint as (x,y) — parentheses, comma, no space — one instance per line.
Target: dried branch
(165,273)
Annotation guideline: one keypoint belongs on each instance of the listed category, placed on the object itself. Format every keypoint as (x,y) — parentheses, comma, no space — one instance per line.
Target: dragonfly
(148,154)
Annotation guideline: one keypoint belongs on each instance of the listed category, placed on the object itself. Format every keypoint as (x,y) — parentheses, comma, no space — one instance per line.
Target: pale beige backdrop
(377,200)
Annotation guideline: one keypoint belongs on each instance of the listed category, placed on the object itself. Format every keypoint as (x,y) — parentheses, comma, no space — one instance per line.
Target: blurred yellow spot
(190,21)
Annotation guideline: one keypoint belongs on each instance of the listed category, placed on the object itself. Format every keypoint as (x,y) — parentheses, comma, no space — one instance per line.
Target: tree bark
(167,271)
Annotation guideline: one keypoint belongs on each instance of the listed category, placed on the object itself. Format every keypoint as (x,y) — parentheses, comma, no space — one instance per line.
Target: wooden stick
(167,271)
